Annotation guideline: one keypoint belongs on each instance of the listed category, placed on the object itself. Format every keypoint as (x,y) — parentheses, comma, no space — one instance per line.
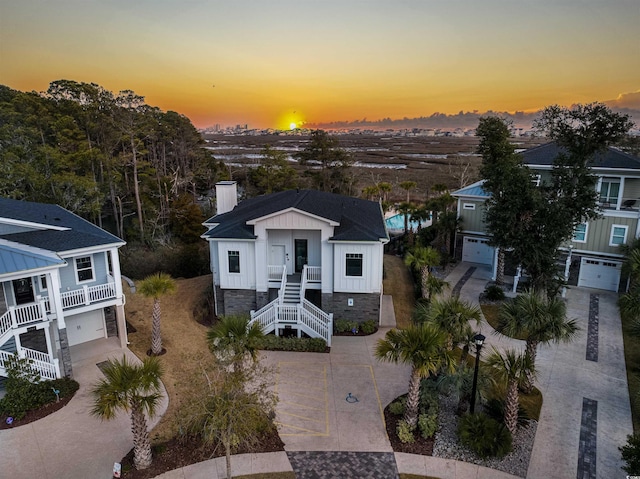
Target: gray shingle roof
(80,233)
(359,220)
(544,155)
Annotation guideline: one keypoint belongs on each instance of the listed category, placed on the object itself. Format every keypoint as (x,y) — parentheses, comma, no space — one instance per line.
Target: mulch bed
(419,446)
(182,452)
(350,333)
(35,414)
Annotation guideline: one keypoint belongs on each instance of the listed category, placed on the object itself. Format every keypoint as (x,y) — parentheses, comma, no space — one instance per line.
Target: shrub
(345,325)
(368,327)
(271,342)
(428,424)
(26,391)
(484,436)
(494,293)
(405,432)
(631,454)
(397,407)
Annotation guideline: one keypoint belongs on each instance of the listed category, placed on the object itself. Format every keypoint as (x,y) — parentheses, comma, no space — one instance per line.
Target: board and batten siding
(246,278)
(69,279)
(290,220)
(371,279)
(632,190)
(472,219)
(599,234)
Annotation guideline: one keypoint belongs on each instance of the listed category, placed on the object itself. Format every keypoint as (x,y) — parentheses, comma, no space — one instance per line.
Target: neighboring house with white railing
(60,285)
(296,259)
(593,257)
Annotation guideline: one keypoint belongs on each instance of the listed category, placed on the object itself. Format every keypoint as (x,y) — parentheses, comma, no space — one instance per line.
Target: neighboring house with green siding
(593,256)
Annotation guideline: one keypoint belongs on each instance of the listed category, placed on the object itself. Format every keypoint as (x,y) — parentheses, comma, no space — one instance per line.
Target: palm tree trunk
(511,407)
(141,442)
(156,337)
(500,267)
(424,276)
(413,400)
(531,350)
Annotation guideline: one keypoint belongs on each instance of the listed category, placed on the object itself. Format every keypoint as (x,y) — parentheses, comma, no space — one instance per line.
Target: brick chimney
(226,196)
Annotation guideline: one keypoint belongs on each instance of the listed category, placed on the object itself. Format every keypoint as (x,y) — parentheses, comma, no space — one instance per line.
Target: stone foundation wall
(65,369)
(365,306)
(238,301)
(262,299)
(110,321)
(219,298)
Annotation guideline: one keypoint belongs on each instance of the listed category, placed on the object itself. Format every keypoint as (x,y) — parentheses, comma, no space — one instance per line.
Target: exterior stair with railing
(291,293)
(291,309)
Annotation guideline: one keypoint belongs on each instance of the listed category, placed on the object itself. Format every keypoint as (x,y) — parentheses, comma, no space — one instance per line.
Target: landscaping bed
(35,414)
(183,451)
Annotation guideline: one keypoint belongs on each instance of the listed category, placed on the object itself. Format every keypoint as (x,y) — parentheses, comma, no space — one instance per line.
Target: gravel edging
(446,443)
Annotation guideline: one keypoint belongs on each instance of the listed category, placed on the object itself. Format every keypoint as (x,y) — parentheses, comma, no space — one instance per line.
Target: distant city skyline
(291,63)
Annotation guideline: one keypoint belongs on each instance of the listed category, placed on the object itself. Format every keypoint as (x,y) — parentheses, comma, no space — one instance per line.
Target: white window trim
(361,275)
(586,232)
(624,240)
(93,269)
(40,278)
(229,263)
(536,180)
(468,206)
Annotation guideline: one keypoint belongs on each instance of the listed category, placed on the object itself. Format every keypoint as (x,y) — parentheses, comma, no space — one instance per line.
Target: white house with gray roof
(61,285)
(296,259)
(592,257)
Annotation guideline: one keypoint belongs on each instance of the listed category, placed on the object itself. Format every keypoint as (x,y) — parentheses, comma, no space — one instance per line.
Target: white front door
(477,250)
(85,327)
(600,274)
(277,257)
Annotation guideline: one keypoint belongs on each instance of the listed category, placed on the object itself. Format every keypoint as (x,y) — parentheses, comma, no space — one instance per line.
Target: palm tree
(422,346)
(451,315)
(405,209)
(134,388)
(234,340)
(539,320)
(511,369)
(408,186)
(155,286)
(435,286)
(423,258)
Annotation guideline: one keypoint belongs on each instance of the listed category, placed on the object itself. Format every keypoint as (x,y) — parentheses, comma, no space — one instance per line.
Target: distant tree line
(110,158)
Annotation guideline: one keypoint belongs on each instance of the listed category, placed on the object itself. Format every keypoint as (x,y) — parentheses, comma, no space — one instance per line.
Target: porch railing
(18,316)
(41,363)
(313,273)
(88,295)
(275,271)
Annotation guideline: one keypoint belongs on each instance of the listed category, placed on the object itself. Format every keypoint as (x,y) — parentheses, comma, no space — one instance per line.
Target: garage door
(599,274)
(476,250)
(85,327)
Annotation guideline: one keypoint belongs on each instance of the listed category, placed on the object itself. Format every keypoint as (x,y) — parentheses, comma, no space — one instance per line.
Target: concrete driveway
(70,443)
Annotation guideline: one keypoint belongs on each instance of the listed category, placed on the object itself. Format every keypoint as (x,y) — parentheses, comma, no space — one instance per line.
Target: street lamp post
(478,339)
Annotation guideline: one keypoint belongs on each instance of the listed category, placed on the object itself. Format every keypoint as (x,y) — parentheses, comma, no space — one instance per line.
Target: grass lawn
(398,283)
(182,337)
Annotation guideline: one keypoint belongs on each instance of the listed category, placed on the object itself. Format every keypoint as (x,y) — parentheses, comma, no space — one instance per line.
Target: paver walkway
(591,367)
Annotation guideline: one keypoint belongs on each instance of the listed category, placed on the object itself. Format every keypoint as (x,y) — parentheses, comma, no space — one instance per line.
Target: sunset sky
(270,63)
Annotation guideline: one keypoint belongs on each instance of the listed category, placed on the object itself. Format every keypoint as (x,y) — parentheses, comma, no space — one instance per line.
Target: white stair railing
(283,285)
(41,363)
(18,316)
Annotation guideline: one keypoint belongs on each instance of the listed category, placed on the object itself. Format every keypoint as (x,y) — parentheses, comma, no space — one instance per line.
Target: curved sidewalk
(71,443)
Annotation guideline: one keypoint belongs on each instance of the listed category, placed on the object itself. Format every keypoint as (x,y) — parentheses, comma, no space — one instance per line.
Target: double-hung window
(354,264)
(234,261)
(580,233)
(618,235)
(84,269)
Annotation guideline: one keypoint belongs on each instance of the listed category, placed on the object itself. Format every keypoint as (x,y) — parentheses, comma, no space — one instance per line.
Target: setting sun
(292,126)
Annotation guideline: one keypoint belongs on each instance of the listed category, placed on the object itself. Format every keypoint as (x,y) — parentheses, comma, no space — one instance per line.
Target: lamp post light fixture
(478,339)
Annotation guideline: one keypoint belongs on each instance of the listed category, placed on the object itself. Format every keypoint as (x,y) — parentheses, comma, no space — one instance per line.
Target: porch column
(115,269)
(620,193)
(261,259)
(54,360)
(55,300)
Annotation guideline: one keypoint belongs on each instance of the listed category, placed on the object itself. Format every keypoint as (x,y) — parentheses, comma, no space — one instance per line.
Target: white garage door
(599,274)
(85,327)
(476,250)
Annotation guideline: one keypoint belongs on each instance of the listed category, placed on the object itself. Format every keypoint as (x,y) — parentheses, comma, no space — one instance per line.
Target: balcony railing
(18,316)
(87,295)
(625,204)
